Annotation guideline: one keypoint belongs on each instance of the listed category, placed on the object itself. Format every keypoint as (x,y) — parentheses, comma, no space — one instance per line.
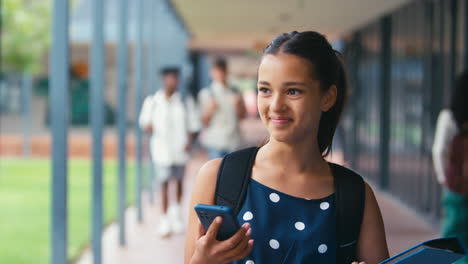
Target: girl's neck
(297,158)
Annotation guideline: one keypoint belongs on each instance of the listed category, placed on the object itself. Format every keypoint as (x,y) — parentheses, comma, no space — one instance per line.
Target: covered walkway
(402,57)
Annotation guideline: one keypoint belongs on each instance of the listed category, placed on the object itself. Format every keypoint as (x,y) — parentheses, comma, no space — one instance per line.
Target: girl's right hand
(208,250)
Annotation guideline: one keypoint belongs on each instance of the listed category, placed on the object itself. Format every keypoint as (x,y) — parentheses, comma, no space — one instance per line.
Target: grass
(25,207)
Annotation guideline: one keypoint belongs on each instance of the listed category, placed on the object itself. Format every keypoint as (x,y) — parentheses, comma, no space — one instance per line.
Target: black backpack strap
(233,178)
(350,199)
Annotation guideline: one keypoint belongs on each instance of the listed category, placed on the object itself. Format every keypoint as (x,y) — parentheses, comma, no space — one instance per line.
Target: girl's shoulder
(210,169)
(205,182)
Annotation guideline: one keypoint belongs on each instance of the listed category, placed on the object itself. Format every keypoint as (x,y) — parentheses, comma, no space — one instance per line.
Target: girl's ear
(328,98)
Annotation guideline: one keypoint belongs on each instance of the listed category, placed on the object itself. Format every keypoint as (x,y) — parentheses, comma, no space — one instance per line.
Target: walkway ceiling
(243,24)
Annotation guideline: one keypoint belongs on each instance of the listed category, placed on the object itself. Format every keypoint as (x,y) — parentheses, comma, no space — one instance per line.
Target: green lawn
(25,207)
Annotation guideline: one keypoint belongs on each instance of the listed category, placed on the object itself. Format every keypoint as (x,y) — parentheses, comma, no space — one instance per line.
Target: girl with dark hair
(453,122)
(288,214)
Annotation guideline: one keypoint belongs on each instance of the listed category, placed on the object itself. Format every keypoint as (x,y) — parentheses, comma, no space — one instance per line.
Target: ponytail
(329,120)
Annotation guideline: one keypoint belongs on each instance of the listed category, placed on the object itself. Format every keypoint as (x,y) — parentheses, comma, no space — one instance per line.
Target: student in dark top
(289,205)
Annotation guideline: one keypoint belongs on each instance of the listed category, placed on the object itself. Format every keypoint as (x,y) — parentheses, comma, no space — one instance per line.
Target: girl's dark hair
(458,104)
(327,68)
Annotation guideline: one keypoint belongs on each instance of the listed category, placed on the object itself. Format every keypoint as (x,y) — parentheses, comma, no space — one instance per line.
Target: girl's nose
(278,103)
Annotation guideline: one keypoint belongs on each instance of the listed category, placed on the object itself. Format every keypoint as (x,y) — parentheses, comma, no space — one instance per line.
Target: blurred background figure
(172,120)
(450,157)
(222,110)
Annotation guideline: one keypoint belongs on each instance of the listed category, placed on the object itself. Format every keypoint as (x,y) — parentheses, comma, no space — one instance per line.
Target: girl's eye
(294,92)
(264,90)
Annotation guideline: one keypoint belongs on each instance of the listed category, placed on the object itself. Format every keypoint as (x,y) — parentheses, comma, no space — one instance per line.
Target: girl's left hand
(358,263)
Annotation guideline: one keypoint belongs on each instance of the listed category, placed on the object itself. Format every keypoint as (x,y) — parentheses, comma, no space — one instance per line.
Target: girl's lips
(280,120)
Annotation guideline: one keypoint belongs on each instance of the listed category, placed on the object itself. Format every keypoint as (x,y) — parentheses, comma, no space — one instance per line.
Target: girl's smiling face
(290,100)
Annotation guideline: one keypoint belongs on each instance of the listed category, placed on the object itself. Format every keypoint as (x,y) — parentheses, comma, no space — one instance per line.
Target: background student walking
(174,123)
(450,157)
(222,109)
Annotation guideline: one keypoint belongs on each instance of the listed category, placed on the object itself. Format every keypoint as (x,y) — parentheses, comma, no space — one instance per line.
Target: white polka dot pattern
(289,219)
(274,197)
(274,244)
(322,248)
(299,226)
(247,216)
(324,206)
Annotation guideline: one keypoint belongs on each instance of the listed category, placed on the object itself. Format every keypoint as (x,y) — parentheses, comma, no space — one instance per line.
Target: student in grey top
(222,109)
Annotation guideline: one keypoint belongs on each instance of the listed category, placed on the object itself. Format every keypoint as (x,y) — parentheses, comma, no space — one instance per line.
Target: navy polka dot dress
(288,229)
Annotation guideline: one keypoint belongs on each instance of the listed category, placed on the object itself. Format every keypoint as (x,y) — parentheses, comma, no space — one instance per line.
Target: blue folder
(437,251)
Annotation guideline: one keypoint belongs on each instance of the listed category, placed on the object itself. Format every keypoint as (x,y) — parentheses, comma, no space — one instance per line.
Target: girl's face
(290,100)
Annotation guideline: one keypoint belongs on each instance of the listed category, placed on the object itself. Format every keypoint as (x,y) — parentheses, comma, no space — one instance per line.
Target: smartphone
(207,213)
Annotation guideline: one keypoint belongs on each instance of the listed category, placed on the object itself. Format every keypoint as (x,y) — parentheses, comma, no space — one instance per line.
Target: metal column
(26,94)
(465,36)
(438,96)
(431,82)
(152,80)
(354,152)
(386,31)
(453,42)
(97,123)
(58,101)
(122,81)
(138,103)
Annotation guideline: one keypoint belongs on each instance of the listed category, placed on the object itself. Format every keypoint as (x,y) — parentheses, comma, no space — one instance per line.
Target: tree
(24,41)
(25,35)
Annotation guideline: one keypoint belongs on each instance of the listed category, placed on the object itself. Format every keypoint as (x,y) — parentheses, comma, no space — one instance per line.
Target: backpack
(456,171)
(232,184)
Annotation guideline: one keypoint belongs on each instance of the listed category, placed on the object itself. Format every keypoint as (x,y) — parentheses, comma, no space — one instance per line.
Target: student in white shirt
(174,123)
(451,122)
(222,110)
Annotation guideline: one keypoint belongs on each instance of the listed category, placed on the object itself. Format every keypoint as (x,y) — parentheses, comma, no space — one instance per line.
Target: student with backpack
(293,206)
(173,122)
(222,109)
(450,157)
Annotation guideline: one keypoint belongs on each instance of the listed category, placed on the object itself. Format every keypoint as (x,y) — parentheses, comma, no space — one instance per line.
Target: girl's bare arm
(372,247)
